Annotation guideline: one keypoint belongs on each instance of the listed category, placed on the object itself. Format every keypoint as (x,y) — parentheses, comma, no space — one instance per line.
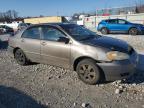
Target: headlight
(115,55)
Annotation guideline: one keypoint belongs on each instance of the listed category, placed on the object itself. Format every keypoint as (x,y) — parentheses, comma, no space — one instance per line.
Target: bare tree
(140,6)
(8,16)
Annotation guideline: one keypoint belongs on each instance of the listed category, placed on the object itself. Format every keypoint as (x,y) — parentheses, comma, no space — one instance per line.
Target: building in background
(39,20)
(116,11)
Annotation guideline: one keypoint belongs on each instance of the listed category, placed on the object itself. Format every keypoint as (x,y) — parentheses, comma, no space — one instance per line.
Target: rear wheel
(104,31)
(88,71)
(20,57)
(133,31)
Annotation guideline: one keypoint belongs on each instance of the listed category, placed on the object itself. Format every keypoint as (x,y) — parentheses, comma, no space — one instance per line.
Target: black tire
(88,71)
(20,57)
(133,31)
(104,31)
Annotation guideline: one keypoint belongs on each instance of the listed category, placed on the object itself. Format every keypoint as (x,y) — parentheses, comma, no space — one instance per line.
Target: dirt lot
(44,86)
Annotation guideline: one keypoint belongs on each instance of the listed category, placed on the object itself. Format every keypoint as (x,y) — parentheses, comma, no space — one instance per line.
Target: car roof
(5,26)
(2,25)
(51,24)
(113,19)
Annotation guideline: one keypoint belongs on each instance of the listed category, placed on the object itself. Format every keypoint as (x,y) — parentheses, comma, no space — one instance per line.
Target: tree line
(140,9)
(8,16)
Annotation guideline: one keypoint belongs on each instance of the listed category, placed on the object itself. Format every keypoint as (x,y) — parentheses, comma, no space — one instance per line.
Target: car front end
(117,59)
(120,67)
(101,25)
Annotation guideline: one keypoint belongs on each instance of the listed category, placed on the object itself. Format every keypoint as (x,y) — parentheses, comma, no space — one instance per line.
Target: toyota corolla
(95,58)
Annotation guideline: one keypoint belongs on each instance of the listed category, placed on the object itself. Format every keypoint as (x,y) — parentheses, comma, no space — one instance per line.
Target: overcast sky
(61,7)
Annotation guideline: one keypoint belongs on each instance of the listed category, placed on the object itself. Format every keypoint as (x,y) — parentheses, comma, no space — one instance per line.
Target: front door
(53,51)
(112,25)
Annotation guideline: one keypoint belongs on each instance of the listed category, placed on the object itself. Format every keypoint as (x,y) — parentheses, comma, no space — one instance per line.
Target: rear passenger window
(32,33)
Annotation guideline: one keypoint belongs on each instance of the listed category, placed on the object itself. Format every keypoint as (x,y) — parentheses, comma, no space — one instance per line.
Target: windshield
(78,32)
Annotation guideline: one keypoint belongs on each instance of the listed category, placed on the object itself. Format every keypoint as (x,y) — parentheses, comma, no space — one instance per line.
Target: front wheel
(104,31)
(88,71)
(20,57)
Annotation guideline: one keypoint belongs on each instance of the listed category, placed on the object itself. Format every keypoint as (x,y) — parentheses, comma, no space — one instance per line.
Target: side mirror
(64,39)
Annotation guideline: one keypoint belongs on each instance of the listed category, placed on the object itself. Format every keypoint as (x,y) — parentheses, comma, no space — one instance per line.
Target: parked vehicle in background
(120,26)
(23,25)
(1,31)
(6,29)
(93,57)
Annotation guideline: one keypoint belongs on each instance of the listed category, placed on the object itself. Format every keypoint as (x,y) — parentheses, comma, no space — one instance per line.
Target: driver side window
(112,21)
(52,34)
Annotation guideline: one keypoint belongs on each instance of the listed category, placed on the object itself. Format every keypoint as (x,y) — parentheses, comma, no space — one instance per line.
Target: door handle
(43,43)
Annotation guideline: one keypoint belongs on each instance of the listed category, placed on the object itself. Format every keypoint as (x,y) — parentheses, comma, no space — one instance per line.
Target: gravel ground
(45,86)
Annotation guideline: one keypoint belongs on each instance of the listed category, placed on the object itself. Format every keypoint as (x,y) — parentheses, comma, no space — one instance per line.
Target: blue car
(120,26)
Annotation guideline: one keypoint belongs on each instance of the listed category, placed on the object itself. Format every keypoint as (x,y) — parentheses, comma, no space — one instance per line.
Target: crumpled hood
(110,43)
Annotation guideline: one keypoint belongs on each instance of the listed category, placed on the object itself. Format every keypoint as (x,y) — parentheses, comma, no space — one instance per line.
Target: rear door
(123,25)
(53,51)
(30,43)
